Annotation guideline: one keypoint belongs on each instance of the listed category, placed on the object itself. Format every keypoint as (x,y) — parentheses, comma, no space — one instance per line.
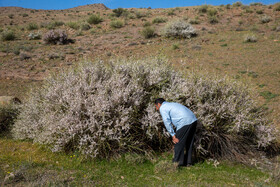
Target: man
(185,122)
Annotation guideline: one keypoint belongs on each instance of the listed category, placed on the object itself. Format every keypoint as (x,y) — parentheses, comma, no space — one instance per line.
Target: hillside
(219,47)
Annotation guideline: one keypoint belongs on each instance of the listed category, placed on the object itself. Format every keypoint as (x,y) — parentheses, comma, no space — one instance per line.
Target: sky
(64,4)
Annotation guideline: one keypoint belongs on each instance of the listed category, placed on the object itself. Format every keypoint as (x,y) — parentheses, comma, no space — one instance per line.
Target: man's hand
(174,139)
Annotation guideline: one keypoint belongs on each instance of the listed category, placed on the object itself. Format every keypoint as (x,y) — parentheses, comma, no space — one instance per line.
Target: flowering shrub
(56,37)
(179,29)
(101,109)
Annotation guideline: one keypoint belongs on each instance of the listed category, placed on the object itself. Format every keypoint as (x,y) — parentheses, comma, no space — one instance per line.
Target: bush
(213,19)
(73,25)
(140,14)
(259,11)
(250,38)
(34,36)
(148,32)
(159,20)
(203,8)
(85,27)
(105,108)
(119,12)
(277,7)
(8,115)
(24,15)
(11,16)
(56,37)
(32,26)
(212,11)
(265,19)
(179,29)
(8,35)
(116,24)
(94,19)
(237,4)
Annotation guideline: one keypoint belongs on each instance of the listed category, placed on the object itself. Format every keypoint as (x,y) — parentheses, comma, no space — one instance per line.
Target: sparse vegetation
(265,19)
(179,29)
(268,95)
(34,36)
(213,19)
(250,38)
(277,7)
(8,35)
(94,19)
(85,26)
(73,25)
(32,26)
(119,12)
(11,16)
(203,8)
(56,37)
(116,24)
(24,15)
(148,32)
(259,11)
(159,20)
(212,12)
(237,4)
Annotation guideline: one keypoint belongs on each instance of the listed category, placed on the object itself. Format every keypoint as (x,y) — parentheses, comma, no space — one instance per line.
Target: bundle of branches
(102,109)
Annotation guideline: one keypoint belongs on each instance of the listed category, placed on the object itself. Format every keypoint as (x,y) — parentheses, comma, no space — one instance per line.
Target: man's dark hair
(159,100)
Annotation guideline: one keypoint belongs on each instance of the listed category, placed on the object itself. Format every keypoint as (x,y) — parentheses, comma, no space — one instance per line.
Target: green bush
(119,12)
(73,25)
(265,19)
(212,11)
(11,16)
(259,11)
(147,24)
(277,7)
(139,14)
(148,32)
(213,19)
(85,26)
(32,26)
(8,115)
(203,8)
(159,20)
(8,35)
(237,4)
(94,19)
(116,24)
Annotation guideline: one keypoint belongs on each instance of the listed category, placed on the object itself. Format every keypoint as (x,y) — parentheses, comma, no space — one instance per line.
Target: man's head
(158,103)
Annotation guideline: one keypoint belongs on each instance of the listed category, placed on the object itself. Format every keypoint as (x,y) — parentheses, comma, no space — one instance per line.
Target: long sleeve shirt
(176,114)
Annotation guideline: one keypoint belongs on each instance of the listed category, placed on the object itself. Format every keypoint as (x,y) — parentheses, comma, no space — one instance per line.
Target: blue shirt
(176,114)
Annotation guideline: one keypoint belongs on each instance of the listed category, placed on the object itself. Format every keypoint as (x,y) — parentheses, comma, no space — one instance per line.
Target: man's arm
(168,125)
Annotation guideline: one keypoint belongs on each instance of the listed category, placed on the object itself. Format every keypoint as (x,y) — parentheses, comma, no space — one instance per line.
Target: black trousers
(186,138)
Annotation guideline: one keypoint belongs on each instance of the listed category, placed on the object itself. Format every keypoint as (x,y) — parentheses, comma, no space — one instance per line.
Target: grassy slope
(37,165)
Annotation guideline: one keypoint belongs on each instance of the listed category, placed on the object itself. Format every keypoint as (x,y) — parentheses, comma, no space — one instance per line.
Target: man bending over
(185,122)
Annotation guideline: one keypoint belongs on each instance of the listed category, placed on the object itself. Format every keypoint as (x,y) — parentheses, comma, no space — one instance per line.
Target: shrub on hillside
(32,26)
(73,25)
(120,11)
(34,36)
(148,32)
(8,35)
(56,37)
(85,26)
(203,8)
(94,19)
(7,117)
(105,108)
(265,19)
(237,4)
(277,7)
(159,20)
(213,19)
(179,29)
(116,24)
